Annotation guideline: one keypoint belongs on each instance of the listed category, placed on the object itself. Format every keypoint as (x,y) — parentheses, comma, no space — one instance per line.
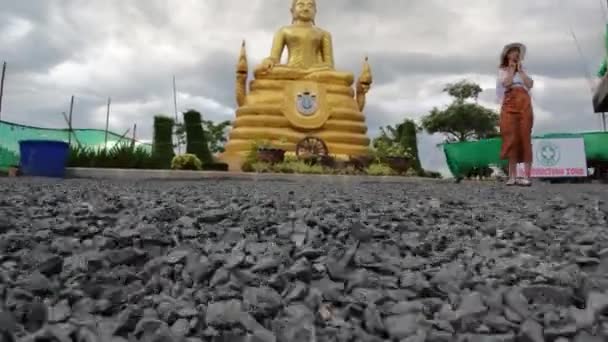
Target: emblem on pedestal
(306,102)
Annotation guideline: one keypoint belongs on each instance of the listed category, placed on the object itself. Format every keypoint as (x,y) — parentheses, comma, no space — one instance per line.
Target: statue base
(283,112)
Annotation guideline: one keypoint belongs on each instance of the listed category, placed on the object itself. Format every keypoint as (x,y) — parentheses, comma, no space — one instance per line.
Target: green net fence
(12,133)
(464,157)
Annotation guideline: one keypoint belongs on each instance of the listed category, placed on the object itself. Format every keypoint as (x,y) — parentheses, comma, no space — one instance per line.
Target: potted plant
(267,153)
(13,171)
(362,162)
(394,155)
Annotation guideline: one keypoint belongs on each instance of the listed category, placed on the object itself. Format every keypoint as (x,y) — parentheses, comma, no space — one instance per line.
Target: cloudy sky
(130,50)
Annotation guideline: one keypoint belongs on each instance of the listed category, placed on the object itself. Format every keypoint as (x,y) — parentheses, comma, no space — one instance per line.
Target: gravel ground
(303,260)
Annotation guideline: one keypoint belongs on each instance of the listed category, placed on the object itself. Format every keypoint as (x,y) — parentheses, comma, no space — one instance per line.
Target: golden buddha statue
(305,97)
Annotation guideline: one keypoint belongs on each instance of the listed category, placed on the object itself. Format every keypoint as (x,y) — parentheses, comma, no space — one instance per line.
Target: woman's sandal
(524,182)
(511,182)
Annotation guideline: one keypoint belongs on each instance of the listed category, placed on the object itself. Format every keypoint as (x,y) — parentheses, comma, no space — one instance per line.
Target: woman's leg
(527,169)
(512,169)
(526,131)
(508,133)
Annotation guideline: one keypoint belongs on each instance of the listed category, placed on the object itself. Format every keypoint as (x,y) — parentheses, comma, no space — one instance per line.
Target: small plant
(388,149)
(379,169)
(186,162)
(263,144)
(283,141)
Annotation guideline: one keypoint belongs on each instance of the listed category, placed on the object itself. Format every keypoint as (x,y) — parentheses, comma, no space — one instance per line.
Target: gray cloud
(131,50)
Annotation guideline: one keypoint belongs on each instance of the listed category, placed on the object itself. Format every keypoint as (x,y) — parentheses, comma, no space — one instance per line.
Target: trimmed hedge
(196,141)
(162,145)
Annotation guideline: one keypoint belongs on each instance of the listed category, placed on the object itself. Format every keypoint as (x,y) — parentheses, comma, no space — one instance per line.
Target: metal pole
(179,148)
(2,87)
(105,144)
(604,121)
(175,99)
(134,135)
(70,121)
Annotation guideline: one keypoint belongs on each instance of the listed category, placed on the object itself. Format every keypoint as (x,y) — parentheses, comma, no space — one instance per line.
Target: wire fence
(94,139)
(12,133)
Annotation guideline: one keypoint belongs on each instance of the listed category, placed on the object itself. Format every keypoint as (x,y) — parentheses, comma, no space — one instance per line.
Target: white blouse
(518,81)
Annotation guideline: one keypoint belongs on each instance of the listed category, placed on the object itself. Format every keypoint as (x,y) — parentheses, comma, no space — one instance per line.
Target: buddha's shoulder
(322,31)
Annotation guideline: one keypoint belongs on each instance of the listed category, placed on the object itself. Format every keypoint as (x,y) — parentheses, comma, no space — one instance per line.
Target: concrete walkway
(96,173)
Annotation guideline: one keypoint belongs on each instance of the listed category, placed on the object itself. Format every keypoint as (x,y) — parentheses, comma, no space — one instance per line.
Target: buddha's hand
(322,66)
(267,64)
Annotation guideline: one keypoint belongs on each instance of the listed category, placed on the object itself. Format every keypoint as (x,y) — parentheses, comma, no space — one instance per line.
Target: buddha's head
(304,10)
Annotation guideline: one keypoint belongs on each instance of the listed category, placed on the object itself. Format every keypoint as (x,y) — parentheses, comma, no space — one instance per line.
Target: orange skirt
(516,121)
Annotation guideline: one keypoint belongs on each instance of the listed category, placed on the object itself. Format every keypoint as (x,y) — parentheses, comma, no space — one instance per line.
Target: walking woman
(516,115)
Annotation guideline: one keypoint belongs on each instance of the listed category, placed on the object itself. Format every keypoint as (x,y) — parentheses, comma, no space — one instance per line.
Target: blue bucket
(43,158)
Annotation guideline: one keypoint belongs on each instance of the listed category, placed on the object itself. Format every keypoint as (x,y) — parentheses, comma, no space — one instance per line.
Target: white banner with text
(556,158)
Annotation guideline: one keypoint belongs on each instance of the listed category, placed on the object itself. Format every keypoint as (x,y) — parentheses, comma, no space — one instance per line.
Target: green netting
(11,134)
(466,156)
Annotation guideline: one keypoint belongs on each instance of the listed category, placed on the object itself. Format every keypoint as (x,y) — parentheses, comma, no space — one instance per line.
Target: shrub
(196,140)
(162,145)
(216,167)
(186,162)
(8,158)
(379,169)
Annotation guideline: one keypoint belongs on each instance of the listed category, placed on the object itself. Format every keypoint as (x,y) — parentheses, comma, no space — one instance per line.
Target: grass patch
(378,169)
(125,156)
(121,156)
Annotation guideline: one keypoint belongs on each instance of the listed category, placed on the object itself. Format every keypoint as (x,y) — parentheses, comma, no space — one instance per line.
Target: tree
(216,134)
(404,134)
(463,90)
(462,120)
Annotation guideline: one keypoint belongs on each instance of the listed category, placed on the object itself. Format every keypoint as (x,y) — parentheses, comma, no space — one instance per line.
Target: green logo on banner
(548,154)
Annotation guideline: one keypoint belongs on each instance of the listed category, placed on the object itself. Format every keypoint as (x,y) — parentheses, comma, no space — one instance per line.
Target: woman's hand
(529,83)
(512,69)
(510,73)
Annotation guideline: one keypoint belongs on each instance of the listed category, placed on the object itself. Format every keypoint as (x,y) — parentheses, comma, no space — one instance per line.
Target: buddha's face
(305,10)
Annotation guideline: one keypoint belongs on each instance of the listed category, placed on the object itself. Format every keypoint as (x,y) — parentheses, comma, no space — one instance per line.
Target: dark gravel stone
(273,261)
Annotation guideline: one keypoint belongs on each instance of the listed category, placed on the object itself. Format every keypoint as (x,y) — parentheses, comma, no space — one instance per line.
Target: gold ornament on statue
(306,97)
